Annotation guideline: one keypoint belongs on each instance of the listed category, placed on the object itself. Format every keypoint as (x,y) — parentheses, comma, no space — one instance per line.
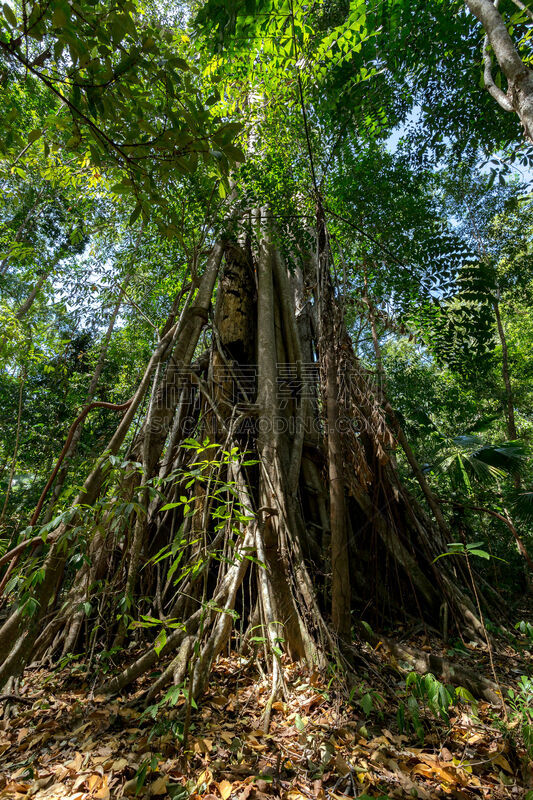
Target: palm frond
(509,456)
(466,458)
(483,471)
(524,506)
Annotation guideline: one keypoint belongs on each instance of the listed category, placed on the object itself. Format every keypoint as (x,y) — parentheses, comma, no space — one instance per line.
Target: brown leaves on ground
(69,745)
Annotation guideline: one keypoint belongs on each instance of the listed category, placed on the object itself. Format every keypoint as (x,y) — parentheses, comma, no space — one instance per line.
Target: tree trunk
(509,401)
(271,503)
(519,97)
(301,457)
(329,324)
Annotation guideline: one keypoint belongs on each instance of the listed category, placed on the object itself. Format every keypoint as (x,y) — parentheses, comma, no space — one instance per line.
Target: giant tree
(254,442)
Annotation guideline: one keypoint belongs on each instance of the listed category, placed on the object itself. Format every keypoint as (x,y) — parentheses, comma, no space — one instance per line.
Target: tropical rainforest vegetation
(266,282)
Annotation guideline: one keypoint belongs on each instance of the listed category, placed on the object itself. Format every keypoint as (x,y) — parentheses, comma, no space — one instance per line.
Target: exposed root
(423,663)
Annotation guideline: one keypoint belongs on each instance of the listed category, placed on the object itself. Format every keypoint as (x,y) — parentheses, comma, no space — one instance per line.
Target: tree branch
(502,44)
(495,91)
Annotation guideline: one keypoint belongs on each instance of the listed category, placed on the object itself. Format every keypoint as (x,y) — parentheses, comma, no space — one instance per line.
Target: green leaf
(367,704)
(59,18)
(234,153)
(34,135)
(9,15)
(161,641)
(465,695)
(119,188)
(480,553)
(135,213)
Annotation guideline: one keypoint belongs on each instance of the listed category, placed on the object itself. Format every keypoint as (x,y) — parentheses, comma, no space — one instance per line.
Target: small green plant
(147,766)
(368,699)
(165,722)
(521,703)
(427,693)
(105,659)
(202,482)
(264,640)
(222,497)
(70,662)
(457,647)
(526,628)
(463,549)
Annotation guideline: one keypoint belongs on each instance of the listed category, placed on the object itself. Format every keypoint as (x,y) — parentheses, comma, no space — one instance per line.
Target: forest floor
(66,741)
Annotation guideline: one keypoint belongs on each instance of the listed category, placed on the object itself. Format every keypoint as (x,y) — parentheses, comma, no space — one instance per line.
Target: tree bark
(270,482)
(190,326)
(328,347)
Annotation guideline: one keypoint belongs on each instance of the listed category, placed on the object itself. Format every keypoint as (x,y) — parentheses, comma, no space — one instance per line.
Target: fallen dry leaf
(159,786)
(225,789)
